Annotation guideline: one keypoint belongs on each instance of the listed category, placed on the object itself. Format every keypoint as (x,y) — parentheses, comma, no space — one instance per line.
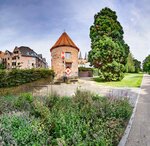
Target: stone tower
(64,57)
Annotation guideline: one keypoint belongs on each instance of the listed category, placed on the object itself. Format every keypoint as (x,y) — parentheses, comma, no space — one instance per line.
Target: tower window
(67,55)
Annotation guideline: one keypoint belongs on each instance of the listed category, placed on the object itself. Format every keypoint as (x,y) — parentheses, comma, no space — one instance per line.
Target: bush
(85,69)
(24,101)
(17,76)
(51,100)
(6,103)
(39,110)
(21,131)
(95,72)
(85,119)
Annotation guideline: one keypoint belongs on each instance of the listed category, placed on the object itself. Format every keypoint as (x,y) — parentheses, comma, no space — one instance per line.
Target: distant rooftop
(26,51)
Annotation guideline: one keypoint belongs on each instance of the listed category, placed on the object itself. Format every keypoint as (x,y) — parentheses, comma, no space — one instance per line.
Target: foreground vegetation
(82,120)
(130,80)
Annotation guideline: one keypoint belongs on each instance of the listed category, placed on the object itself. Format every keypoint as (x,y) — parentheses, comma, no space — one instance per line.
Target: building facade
(1,57)
(64,57)
(23,58)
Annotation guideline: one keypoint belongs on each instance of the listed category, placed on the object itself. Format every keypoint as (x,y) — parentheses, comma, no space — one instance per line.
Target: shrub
(85,69)
(39,110)
(51,100)
(85,119)
(21,131)
(82,97)
(24,101)
(6,103)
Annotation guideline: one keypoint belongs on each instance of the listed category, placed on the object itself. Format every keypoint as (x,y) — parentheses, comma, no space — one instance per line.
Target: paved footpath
(140,130)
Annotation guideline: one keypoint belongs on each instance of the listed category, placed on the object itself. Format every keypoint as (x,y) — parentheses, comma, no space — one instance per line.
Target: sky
(39,23)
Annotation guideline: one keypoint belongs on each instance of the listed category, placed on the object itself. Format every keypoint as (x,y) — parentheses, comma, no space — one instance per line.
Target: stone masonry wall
(57,62)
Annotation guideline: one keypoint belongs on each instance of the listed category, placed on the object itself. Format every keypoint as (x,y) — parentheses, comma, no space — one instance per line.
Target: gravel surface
(85,84)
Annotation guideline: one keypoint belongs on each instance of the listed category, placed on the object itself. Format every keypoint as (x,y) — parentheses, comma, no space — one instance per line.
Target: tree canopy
(137,65)
(109,51)
(146,64)
(130,68)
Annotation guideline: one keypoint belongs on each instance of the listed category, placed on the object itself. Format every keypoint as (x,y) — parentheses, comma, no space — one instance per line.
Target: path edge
(125,136)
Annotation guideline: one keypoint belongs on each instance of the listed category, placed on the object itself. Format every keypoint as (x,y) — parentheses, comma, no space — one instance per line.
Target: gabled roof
(26,51)
(64,40)
(40,55)
(10,53)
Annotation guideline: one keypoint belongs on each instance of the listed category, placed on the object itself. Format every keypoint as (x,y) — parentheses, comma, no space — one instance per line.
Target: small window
(67,55)
(18,57)
(18,63)
(14,58)
(8,58)
(13,63)
(68,65)
(16,52)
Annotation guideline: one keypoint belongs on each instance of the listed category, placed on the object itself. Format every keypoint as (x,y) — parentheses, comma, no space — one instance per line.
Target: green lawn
(130,80)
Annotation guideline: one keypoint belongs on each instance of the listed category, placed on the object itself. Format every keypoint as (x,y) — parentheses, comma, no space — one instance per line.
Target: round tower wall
(59,65)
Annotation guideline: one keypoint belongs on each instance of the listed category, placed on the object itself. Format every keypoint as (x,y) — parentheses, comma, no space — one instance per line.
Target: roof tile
(64,40)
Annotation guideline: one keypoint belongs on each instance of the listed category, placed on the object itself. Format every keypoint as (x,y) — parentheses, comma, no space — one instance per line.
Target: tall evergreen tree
(109,51)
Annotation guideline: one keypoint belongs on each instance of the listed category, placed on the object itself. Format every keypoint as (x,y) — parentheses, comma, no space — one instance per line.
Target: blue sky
(39,23)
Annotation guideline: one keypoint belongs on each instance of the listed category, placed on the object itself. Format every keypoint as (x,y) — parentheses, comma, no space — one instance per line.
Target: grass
(130,80)
(83,120)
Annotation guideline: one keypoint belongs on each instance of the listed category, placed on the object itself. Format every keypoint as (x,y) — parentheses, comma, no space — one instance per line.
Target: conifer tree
(109,51)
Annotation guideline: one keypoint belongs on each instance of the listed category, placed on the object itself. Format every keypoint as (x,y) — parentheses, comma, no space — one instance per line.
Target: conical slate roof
(64,40)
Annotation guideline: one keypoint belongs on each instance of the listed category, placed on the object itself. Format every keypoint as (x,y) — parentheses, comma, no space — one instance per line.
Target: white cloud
(77,19)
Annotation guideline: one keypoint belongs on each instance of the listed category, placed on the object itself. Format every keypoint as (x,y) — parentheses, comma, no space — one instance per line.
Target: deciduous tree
(137,65)
(130,68)
(146,64)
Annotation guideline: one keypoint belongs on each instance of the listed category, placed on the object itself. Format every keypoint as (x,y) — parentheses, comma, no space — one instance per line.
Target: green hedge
(17,76)
(85,69)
